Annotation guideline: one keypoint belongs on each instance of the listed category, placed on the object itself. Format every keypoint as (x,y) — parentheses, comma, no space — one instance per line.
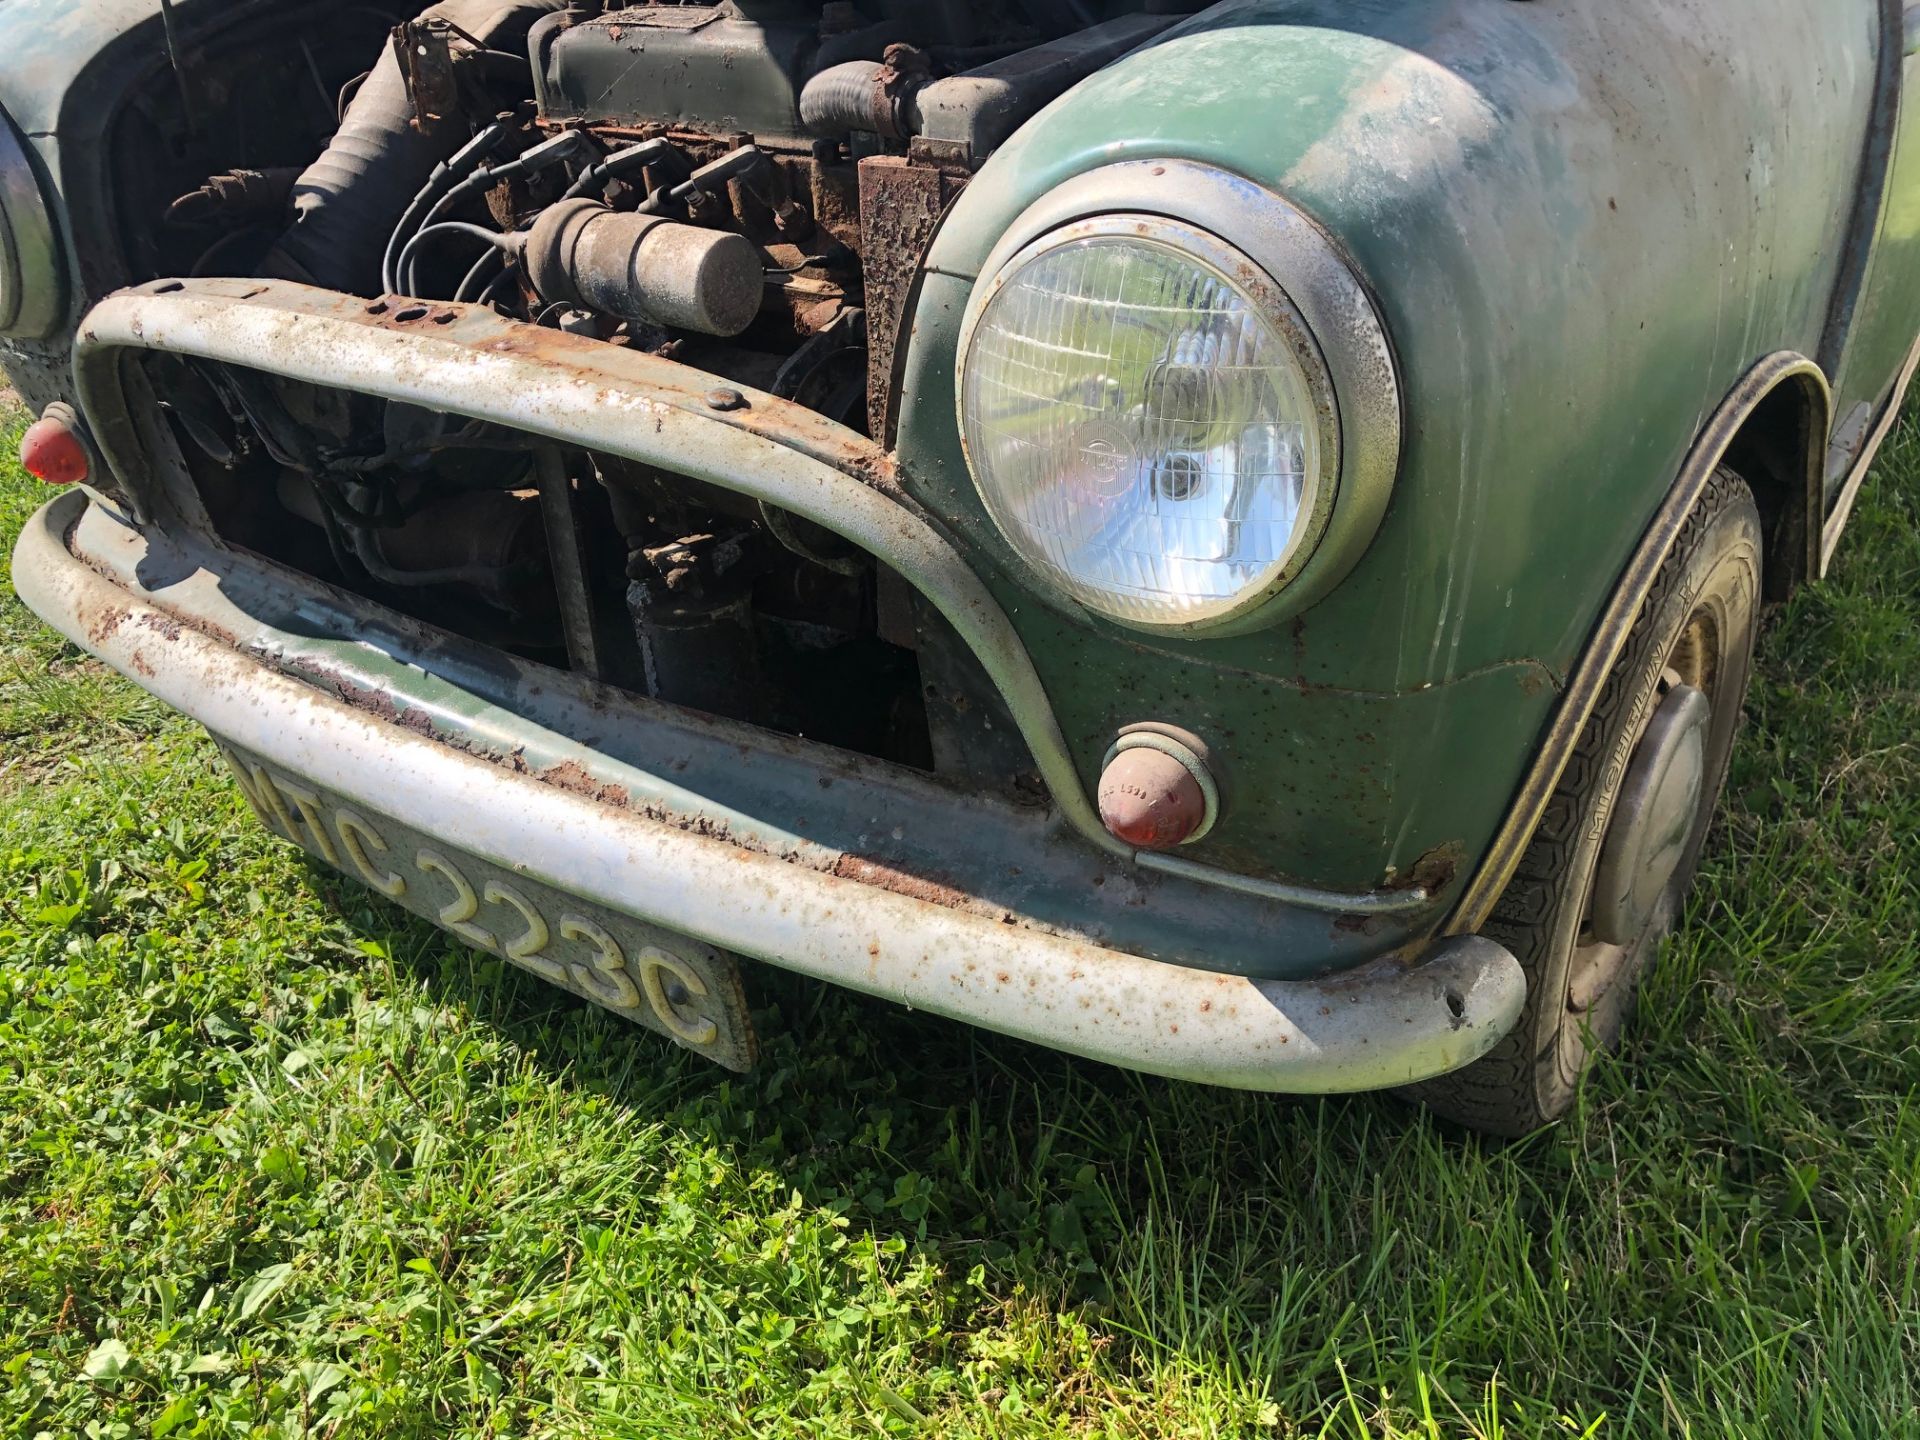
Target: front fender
(1581,227)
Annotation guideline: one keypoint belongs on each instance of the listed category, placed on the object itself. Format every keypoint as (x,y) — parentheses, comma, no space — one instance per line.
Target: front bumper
(296,694)
(1033,922)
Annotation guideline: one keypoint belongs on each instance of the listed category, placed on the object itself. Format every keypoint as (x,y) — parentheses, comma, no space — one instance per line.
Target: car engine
(747,188)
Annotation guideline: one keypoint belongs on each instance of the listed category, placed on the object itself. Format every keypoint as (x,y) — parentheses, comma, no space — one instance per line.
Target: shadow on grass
(1718,1230)
(1281,1246)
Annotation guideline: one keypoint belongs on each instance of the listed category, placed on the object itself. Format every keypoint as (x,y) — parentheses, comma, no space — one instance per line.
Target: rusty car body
(1223,538)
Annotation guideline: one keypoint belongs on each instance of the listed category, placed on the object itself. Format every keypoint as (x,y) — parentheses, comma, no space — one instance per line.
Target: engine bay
(747,188)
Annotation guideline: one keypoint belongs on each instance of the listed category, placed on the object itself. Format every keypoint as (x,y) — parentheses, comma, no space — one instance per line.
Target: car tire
(1562,916)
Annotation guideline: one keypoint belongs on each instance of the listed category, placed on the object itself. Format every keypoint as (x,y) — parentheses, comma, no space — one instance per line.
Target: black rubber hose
(852,96)
(348,201)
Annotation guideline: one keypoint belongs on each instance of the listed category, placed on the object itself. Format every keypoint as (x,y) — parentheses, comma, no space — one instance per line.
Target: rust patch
(379,704)
(900,882)
(706,827)
(682,388)
(105,623)
(163,622)
(171,629)
(901,202)
(1434,870)
(569,775)
(872,468)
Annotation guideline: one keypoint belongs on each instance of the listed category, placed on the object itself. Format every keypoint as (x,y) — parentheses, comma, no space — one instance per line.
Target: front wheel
(1603,879)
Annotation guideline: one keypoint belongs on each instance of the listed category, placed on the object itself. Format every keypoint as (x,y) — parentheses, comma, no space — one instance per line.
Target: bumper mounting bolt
(726,398)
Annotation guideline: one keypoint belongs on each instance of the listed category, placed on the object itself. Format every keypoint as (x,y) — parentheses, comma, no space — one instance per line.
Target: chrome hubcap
(1653,818)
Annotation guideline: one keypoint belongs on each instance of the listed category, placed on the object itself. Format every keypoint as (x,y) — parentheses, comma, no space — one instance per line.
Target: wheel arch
(1775,420)
(1779,448)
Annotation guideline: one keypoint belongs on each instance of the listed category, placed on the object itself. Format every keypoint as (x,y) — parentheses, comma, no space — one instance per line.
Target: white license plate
(685,990)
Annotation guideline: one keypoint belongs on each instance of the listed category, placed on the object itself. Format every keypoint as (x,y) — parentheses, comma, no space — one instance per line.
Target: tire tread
(1497,1093)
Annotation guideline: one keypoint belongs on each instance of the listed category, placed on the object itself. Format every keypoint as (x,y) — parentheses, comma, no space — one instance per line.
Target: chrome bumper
(465,360)
(188,626)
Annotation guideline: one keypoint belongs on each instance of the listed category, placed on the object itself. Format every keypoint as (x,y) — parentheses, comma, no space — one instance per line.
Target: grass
(277,1160)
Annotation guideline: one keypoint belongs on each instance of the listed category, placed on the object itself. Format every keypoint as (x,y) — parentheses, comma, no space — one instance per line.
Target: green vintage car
(1225,539)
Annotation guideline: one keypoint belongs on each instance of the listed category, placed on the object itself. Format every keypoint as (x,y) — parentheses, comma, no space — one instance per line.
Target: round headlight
(1177,399)
(1149,421)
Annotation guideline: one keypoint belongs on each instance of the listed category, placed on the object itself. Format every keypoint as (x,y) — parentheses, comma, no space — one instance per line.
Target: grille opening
(650,581)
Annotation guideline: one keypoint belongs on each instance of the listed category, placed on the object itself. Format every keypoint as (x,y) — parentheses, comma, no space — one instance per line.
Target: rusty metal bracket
(424,49)
(903,203)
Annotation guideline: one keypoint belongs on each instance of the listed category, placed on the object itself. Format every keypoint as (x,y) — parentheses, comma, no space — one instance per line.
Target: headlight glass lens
(1142,430)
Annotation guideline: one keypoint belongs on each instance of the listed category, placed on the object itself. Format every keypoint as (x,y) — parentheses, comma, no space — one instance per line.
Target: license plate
(685,990)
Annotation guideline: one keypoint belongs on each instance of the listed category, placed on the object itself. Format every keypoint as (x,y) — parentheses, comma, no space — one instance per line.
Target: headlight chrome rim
(1289,255)
(33,291)
(1272,305)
